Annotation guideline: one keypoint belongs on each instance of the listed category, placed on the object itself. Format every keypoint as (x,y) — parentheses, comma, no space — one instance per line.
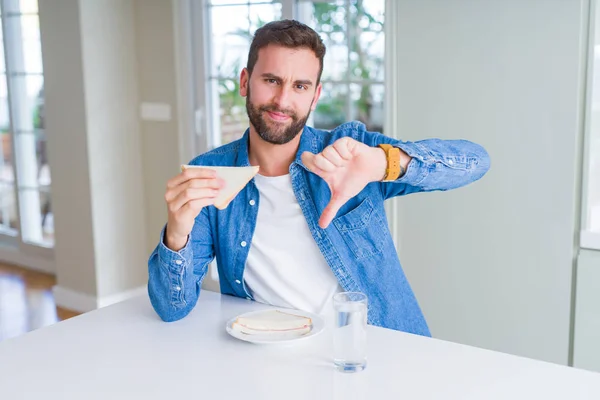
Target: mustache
(274,108)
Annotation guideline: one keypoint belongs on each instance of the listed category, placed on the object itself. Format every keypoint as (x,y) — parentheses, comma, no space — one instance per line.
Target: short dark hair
(287,33)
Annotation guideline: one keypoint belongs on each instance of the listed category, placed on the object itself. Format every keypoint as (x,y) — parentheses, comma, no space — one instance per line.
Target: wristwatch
(394,170)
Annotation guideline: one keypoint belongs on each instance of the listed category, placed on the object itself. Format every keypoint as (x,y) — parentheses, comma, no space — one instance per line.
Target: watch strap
(394,169)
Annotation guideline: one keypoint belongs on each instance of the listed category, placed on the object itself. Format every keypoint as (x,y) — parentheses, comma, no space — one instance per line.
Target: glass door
(25,197)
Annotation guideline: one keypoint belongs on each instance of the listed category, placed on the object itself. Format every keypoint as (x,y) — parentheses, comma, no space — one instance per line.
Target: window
(231,28)
(590,237)
(353,87)
(25,202)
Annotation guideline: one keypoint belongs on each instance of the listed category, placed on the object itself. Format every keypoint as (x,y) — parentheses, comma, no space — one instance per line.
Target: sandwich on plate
(273,323)
(235,179)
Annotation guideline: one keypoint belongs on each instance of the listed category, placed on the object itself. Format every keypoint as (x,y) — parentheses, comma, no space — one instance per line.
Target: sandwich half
(235,179)
(274,322)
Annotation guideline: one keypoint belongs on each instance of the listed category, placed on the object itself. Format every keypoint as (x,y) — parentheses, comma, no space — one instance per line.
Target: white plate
(318,324)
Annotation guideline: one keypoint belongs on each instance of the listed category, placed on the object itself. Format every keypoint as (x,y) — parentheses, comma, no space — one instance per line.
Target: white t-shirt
(285,267)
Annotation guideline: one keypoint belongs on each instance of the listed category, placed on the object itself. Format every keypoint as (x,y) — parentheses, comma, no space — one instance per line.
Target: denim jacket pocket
(362,229)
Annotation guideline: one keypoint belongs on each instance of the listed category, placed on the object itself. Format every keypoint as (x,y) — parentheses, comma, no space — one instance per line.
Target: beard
(272,131)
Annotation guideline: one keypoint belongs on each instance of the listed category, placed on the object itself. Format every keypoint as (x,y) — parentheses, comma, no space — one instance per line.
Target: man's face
(281,92)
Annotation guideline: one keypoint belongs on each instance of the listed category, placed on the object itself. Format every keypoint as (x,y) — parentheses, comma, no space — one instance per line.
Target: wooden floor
(26,301)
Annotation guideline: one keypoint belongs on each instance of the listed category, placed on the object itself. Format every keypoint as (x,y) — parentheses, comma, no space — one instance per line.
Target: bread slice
(273,322)
(235,179)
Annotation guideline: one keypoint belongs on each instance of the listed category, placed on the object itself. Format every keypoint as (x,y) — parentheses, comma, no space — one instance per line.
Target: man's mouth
(277,116)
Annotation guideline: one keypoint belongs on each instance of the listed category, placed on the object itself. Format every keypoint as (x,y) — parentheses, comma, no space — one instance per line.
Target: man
(312,223)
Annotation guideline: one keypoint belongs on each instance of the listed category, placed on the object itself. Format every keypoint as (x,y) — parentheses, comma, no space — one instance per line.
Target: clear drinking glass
(350,331)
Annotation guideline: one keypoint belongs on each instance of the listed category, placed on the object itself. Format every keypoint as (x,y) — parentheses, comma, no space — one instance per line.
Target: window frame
(588,239)
(14,248)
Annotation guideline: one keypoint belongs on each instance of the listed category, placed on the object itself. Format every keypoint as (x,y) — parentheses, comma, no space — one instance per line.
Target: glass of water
(350,331)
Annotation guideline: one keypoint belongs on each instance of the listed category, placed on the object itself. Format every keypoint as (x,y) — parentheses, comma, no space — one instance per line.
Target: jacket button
(244,244)
(252,202)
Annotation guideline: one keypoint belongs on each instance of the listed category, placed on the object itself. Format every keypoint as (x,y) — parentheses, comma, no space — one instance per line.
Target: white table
(125,352)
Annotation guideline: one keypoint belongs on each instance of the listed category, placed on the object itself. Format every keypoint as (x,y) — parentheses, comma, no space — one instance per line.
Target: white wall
(155,52)
(114,144)
(492,263)
(94,149)
(66,121)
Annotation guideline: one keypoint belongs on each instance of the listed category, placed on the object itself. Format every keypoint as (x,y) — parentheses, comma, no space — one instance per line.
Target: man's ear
(244,82)
(316,98)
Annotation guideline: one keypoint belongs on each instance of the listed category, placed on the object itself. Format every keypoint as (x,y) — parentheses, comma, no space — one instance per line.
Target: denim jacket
(357,245)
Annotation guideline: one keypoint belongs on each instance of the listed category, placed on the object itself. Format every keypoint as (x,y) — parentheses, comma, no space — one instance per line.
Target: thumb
(331,210)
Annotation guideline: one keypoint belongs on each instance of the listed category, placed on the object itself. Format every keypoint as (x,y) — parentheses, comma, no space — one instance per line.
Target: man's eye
(271,80)
(301,87)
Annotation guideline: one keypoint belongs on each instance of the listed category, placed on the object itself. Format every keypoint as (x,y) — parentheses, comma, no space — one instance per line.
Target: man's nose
(282,97)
